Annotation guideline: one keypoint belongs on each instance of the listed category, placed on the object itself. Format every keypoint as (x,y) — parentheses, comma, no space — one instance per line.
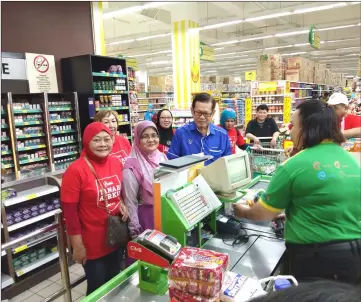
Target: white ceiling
(340,49)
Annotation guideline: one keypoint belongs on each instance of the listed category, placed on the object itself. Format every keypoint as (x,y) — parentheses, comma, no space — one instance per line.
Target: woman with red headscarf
(86,209)
(138,177)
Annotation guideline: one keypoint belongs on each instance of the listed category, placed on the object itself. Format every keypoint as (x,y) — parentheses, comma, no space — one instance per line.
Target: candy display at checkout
(60,128)
(27,118)
(26,106)
(64,162)
(60,115)
(197,275)
(30,143)
(63,139)
(61,104)
(110,101)
(28,131)
(118,84)
(65,149)
(32,210)
(29,156)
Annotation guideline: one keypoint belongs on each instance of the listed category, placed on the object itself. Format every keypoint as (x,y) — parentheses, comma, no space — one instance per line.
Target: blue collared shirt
(188,140)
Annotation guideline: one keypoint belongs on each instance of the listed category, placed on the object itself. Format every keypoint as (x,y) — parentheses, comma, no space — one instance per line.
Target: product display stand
(102,84)
(160,100)
(41,134)
(34,206)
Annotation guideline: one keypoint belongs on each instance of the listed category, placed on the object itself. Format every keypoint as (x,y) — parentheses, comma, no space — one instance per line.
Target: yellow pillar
(98,28)
(186,62)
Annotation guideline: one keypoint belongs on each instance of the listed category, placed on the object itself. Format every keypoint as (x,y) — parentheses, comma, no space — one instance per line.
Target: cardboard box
(293,75)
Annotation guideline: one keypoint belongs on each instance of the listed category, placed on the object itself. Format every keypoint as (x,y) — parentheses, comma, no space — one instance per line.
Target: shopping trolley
(265,160)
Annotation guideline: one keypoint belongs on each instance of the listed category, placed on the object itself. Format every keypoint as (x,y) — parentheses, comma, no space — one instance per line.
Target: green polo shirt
(320,190)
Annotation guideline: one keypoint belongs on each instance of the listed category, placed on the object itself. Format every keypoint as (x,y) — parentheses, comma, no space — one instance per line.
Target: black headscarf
(165,135)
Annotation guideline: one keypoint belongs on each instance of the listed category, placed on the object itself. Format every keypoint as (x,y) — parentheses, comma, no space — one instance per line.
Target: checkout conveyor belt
(258,258)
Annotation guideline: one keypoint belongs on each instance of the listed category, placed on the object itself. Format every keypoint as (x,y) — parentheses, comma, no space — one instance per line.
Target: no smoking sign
(41,64)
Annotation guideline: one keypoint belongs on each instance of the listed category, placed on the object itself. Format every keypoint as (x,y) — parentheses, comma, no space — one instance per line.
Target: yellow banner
(267,86)
(250,75)
(287,110)
(132,63)
(248,111)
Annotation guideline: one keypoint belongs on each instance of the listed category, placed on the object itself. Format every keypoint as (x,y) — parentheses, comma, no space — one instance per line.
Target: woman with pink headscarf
(138,177)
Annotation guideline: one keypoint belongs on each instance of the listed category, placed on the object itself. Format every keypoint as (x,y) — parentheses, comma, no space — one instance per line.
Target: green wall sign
(314,38)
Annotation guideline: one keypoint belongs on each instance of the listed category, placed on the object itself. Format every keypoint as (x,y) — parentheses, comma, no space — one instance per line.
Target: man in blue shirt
(201,136)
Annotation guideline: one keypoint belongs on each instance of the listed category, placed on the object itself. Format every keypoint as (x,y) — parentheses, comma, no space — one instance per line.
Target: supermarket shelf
(29,123)
(40,262)
(269,104)
(4,139)
(34,242)
(3,112)
(32,220)
(124,123)
(52,109)
(6,280)
(6,152)
(110,92)
(30,194)
(3,253)
(33,160)
(7,166)
(28,111)
(32,147)
(112,108)
(156,109)
(306,97)
(155,98)
(298,88)
(267,95)
(65,154)
(64,120)
(4,126)
(108,75)
(152,103)
(63,131)
(64,143)
(30,135)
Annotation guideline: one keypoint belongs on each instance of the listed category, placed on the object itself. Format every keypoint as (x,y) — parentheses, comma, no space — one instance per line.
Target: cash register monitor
(228,174)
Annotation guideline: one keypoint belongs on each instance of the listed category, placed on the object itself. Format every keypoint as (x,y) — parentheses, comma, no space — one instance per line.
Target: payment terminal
(163,245)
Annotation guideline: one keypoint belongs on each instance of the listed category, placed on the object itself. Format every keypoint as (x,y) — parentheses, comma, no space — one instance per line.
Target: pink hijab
(145,162)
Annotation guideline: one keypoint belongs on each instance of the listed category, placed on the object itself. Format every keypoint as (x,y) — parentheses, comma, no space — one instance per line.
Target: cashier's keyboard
(191,203)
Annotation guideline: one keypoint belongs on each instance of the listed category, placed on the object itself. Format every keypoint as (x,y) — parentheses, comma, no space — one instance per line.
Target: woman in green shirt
(319,189)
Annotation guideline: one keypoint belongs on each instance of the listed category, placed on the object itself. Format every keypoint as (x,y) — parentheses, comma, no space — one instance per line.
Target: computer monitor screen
(228,174)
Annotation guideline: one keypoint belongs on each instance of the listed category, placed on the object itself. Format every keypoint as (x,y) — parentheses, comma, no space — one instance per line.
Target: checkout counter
(258,257)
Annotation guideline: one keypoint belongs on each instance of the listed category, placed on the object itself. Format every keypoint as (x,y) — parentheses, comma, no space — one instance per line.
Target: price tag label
(24,111)
(30,196)
(20,273)
(248,110)
(20,248)
(287,110)
(54,249)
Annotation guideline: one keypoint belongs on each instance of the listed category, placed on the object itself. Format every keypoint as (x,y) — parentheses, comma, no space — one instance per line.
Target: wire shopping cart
(265,160)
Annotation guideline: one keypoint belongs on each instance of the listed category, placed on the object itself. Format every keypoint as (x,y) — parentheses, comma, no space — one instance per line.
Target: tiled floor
(52,285)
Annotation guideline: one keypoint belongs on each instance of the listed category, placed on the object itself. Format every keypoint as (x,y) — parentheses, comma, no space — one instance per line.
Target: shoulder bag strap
(100,183)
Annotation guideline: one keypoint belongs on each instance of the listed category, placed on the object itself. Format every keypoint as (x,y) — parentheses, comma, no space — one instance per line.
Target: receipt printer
(226,225)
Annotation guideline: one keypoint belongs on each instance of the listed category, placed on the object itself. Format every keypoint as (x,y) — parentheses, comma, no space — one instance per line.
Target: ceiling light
(300,32)
(318,8)
(226,43)
(152,37)
(151,53)
(219,25)
(336,27)
(277,47)
(225,54)
(121,42)
(133,9)
(160,62)
(301,44)
(219,48)
(265,17)
(256,38)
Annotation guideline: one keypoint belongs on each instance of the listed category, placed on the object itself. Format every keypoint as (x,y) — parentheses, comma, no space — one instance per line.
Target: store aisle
(53,284)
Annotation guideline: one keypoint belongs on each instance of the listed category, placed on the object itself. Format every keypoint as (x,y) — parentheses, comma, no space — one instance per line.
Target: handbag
(117,229)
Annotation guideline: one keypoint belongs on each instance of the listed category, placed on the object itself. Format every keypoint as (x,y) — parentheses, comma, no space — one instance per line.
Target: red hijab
(90,131)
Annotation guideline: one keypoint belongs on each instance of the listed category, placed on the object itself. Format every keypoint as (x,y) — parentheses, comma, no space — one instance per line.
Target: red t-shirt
(352,121)
(121,148)
(80,186)
(162,148)
(235,138)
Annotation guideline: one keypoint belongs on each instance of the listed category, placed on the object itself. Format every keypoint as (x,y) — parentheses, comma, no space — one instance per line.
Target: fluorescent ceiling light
(133,9)
(219,25)
(294,53)
(152,37)
(265,17)
(225,54)
(150,54)
(256,38)
(219,48)
(301,44)
(121,42)
(299,32)
(318,8)
(226,43)
(277,47)
(160,62)
(337,27)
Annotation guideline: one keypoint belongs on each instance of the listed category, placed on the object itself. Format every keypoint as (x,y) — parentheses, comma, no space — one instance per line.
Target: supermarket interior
(180,151)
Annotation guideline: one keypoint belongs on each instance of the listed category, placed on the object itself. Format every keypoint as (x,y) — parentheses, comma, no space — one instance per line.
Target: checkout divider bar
(63,260)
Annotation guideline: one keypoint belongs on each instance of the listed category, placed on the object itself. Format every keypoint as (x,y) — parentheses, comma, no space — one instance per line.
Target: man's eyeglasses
(147,138)
(205,114)
(166,118)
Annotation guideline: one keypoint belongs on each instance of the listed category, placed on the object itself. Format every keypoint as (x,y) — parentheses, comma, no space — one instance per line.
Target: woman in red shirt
(86,210)
(228,120)
(121,146)
(164,124)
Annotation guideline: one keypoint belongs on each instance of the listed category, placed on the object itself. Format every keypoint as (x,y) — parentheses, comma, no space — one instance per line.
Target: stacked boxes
(270,68)
(299,70)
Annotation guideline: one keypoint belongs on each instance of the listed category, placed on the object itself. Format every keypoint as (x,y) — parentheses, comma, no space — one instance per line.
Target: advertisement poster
(41,73)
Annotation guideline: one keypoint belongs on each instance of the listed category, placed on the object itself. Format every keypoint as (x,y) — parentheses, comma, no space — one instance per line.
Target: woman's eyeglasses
(147,138)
